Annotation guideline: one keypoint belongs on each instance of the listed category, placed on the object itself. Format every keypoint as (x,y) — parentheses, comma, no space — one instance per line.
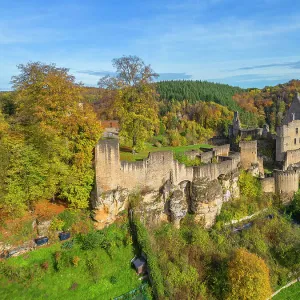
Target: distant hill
(270,103)
(195,91)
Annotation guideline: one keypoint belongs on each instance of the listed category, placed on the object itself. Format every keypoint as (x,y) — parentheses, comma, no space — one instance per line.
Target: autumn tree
(248,277)
(58,129)
(135,103)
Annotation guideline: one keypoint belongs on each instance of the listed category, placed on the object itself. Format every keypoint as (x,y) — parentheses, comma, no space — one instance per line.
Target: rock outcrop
(206,200)
(108,205)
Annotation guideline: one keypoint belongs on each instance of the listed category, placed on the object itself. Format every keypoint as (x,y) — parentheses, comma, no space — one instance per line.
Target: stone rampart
(152,172)
(286,182)
(268,184)
(292,157)
(221,150)
(206,157)
(248,154)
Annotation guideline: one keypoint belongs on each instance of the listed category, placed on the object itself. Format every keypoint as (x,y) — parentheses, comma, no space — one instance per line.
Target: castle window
(295,141)
(296,130)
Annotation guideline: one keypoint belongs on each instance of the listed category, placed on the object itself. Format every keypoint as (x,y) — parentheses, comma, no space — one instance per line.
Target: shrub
(45,265)
(250,186)
(113,280)
(69,217)
(75,261)
(57,224)
(152,262)
(189,162)
(93,269)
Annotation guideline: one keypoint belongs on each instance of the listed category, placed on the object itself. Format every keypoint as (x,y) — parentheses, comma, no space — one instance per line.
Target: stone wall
(254,133)
(192,154)
(286,182)
(206,157)
(268,185)
(222,150)
(248,154)
(292,157)
(152,172)
(288,138)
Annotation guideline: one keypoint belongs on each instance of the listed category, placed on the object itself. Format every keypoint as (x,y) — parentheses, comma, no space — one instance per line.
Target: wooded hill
(270,103)
(195,91)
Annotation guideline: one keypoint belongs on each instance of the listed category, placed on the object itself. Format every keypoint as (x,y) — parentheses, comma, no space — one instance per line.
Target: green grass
(290,293)
(53,284)
(126,154)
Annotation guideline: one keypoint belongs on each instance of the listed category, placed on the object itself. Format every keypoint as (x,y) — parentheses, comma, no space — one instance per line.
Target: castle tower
(236,124)
(288,135)
(107,165)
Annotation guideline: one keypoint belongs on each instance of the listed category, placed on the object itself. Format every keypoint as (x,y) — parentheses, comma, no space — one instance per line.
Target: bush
(57,224)
(152,262)
(75,261)
(45,265)
(294,208)
(93,270)
(189,162)
(68,217)
(250,186)
(113,280)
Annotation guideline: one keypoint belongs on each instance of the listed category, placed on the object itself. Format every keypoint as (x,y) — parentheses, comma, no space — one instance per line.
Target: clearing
(290,293)
(126,152)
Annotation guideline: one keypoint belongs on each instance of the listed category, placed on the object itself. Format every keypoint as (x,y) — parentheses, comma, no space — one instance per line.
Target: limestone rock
(178,206)
(108,205)
(43,227)
(230,186)
(153,208)
(206,200)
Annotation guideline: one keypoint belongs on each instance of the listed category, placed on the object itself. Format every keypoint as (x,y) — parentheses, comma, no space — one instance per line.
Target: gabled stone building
(288,136)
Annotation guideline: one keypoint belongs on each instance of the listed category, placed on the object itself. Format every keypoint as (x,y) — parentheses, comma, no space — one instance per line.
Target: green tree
(135,104)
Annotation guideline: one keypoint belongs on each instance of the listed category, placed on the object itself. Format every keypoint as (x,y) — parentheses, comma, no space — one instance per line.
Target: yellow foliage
(249,277)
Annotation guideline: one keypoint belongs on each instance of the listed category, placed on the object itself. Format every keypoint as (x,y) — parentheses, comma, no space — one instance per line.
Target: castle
(170,189)
(288,136)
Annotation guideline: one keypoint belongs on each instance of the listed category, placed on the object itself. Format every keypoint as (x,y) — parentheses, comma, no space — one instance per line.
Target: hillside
(270,103)
(195,91)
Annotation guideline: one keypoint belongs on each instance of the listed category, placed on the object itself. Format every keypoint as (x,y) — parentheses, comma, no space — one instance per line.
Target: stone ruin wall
(160,175)
(207,156)
(151,173)
(285,140)
(292,157)
(248,154)
(164,184)
(286,182)
(268,185)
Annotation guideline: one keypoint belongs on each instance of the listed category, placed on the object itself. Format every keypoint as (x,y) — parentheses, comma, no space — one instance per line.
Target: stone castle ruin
(170,189)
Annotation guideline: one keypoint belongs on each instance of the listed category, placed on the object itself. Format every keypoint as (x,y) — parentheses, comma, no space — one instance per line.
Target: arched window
(295,141)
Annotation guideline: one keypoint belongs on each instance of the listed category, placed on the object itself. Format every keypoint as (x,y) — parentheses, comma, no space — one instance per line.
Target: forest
(270,103)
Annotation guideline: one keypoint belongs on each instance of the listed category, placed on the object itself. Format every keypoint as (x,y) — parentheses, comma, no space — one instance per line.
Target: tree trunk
(134,141)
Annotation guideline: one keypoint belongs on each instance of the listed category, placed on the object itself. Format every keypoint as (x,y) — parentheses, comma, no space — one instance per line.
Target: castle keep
(288,136)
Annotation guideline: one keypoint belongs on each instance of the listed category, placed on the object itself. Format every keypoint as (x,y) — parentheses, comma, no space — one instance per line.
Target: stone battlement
(153,171)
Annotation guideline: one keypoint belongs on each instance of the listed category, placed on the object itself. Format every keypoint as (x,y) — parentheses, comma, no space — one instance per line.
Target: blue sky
(245,43)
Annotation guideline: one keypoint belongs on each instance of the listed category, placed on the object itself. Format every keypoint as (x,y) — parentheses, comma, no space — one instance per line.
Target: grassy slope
(56,284)
(290,293)
(125,153)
